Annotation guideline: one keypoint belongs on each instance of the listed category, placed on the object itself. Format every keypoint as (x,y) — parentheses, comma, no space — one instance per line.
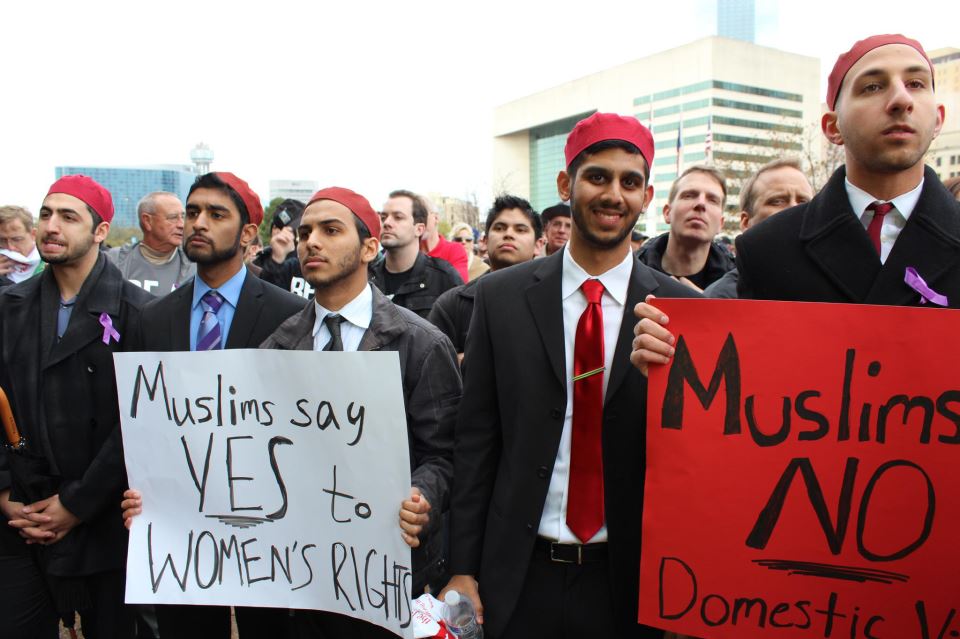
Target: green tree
(268,214)
(120,235)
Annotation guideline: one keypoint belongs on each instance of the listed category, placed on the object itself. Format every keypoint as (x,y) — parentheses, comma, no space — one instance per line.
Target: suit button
(529,526)
(422,285)
(90,369)
(543,472)
(556,413)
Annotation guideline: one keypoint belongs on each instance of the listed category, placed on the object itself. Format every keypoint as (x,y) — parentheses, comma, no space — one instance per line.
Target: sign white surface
(269,478)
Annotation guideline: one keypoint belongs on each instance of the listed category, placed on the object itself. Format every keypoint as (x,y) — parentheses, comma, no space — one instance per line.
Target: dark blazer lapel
(100,294)
(546,307)
(836,241)
(49,305)
(930,242)
(180,317)
(642,283)
(249,306)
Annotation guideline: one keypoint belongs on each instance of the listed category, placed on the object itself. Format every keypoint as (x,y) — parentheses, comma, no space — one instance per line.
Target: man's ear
(563,185)
(247,233)
(744,221)
(830,129)
(666,213)
(419,229)
(101,232)
(538,246)
(146,224)
(369,249)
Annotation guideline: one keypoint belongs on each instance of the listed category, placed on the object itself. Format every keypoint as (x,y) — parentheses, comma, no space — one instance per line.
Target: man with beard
(337,240)
(61,490)
(514,235)
(880,214)
(222,216)
(549,457)
(410,278)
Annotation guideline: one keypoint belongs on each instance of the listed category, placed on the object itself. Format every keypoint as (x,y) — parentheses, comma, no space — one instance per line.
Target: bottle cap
(452,598)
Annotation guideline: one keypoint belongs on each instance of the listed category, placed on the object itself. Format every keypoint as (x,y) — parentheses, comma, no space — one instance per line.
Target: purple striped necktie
(208,338)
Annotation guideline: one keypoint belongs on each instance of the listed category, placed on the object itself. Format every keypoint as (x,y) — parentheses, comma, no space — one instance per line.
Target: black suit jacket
(64,398)
(820,252)
(508,434)
(261,308)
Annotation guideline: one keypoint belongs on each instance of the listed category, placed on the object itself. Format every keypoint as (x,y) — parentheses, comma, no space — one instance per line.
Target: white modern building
(729,102)
(293,189)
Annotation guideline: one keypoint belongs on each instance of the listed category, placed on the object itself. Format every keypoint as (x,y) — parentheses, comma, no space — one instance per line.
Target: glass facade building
(128,184)
(546,159)
(737,19)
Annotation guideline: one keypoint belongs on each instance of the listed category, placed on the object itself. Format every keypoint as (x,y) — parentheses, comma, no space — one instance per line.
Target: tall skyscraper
(737,19)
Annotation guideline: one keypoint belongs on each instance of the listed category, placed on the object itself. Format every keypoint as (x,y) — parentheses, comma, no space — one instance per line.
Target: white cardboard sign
(269,478)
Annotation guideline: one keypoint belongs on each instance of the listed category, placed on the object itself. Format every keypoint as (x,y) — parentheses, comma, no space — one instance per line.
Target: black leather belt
(571,553)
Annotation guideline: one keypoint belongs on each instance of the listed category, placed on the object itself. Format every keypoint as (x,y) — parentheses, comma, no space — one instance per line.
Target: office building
(737,19)
(718,100)
(128,184)
(293,189)
(944,155)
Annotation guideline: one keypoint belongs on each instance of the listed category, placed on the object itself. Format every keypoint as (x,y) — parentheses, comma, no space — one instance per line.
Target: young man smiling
(549,457)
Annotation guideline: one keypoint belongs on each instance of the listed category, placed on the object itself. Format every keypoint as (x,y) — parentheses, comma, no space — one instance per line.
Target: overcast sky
(369,95)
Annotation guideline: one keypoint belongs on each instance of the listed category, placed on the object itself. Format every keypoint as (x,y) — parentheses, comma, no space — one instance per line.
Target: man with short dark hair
(549,457)
(776,186)
(61,490)
(694,211)
(157,264)
(556,227)
(222,216)
(514,235)
(409,278)
(337,240)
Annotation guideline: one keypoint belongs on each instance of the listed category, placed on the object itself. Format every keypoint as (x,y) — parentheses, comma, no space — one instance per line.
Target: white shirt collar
(358,311)
(615,281)
(860,200)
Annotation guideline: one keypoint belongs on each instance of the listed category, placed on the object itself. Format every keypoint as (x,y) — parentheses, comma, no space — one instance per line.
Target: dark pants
(566,600)
(213,622)
(108,617)
(26,611)
(314,624)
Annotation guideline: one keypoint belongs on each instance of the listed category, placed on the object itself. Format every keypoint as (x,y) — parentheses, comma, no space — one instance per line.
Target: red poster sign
(803,473)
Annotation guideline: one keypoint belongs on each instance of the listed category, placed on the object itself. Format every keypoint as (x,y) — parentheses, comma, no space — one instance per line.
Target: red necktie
(873,229)
(585,490)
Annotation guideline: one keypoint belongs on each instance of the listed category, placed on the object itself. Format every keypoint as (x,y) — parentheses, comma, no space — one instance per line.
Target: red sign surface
(803,473)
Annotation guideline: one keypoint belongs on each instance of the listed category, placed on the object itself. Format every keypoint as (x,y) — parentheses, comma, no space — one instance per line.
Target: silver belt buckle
(553,557)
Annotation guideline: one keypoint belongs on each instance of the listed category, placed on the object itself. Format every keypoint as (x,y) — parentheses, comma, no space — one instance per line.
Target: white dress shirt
(893,222)
(553,523)
(357,314)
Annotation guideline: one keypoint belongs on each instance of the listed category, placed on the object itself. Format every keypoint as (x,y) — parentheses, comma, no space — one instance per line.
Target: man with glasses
(19,258)
(158,264)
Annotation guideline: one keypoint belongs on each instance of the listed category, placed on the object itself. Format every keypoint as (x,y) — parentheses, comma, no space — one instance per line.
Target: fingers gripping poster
(802,473)
(269,478)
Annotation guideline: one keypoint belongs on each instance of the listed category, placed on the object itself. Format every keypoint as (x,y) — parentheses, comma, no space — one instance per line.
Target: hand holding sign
(799,487)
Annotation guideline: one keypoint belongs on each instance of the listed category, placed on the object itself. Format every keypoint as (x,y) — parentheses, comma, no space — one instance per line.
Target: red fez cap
(250,199)
(357,204)
(860,49)
(600,127)
(88,191)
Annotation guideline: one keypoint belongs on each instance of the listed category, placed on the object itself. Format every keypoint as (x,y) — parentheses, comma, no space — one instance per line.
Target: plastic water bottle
(461,617)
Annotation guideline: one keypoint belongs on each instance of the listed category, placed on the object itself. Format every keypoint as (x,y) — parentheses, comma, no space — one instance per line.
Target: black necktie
(333,325)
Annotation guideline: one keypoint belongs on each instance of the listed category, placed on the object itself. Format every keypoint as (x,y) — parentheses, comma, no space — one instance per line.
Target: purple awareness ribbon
(927,294)
(108,330)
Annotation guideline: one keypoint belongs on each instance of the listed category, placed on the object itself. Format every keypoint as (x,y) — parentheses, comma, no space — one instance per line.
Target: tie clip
(577,378)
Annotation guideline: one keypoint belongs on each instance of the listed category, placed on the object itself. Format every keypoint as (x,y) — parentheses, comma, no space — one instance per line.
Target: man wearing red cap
(222,217)
(60,491)
(549,457)
(883,230)
(337,240)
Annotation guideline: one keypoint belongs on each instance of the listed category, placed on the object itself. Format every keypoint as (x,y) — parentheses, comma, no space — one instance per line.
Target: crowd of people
(524,348)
